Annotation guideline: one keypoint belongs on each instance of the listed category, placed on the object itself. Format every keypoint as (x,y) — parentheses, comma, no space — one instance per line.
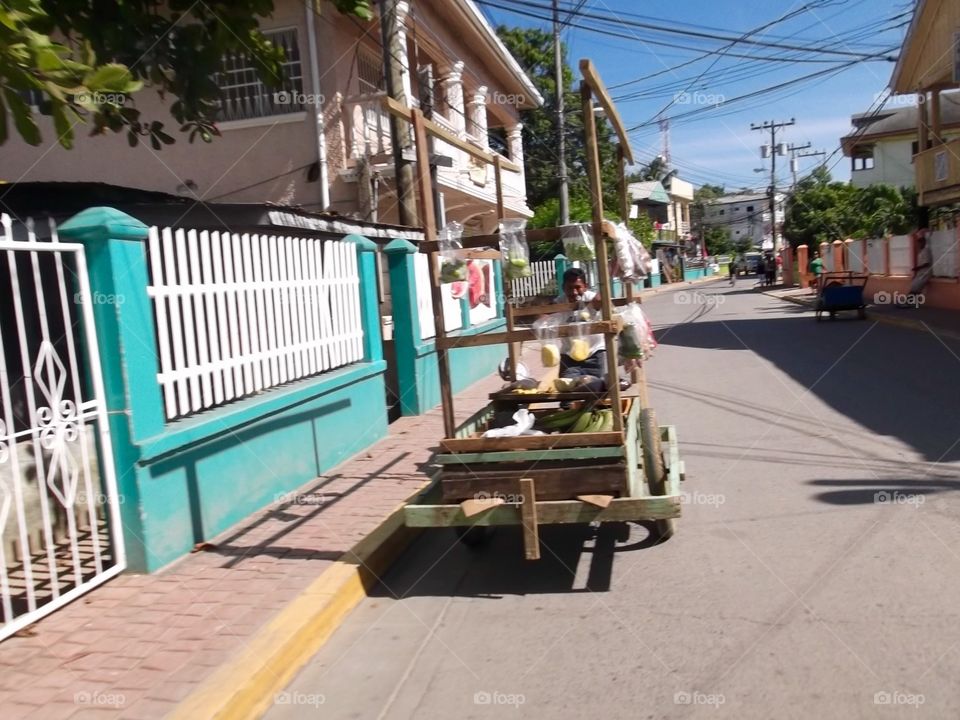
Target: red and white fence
(239,313)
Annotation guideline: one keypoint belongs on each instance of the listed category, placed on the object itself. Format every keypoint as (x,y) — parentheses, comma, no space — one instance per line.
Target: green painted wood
(549,512)
(406,322)
(475,422)
(582,453)
(560,265)
(634,456)
(669,435)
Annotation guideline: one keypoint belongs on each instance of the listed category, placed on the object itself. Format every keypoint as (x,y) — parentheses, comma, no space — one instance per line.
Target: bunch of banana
(579,421)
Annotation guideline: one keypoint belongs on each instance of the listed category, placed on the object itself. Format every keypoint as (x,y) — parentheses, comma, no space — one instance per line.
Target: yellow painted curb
(245,687)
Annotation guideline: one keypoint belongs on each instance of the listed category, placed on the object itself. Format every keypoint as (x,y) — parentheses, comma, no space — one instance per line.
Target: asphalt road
(815,571)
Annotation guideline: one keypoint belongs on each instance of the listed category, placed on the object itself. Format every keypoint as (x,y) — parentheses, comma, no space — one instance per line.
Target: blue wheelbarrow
(839,291)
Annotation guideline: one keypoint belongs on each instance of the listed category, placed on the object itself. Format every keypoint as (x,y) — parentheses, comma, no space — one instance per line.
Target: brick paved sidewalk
(140,644)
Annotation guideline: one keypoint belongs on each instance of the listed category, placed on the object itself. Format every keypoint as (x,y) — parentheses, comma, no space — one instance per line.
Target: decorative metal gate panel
(59,507)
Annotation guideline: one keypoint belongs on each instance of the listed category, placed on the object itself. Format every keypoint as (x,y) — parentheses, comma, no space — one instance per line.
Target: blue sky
(716,145)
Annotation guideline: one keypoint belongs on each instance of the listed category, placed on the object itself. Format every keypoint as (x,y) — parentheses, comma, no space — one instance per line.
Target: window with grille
(369,72)
(243,96)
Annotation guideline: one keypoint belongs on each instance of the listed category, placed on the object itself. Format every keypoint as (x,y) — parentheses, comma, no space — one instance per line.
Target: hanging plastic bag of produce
(578,242)
(636,340)
(452,268)
(514,250)
(545,329)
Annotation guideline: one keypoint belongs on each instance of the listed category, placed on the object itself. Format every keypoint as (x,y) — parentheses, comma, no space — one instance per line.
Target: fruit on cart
(516,267)
(562,419)
(579,350)
(550,355)
(563,385)
(582,423)
(453,271)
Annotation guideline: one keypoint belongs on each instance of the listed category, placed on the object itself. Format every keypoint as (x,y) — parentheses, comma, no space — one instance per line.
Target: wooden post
(528,514)
(603,268)
(934,119)
(513,349)
(922,127)
(425,196)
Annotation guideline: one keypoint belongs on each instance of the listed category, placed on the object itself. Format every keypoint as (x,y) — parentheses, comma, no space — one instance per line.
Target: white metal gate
(59,507)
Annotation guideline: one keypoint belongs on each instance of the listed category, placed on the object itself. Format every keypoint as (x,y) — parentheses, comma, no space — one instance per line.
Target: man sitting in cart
(594,364)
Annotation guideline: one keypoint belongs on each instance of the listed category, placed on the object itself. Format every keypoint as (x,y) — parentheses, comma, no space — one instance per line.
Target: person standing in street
(732,269)
(816,269)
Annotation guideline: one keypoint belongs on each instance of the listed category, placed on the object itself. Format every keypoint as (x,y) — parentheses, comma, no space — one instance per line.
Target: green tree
(717,240)
(533,49)
(657,169)
(820,210)
(111,50)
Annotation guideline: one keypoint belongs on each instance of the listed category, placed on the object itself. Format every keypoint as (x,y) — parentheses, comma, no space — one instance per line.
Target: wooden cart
(632,473)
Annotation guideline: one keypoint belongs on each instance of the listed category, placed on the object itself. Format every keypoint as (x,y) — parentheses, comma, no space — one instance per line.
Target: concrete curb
(246,685)
(908,323)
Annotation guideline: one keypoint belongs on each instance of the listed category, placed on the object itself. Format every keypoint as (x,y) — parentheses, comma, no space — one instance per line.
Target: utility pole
(394,50)
(804,154)
(773,127)
(561,143)
(793,150)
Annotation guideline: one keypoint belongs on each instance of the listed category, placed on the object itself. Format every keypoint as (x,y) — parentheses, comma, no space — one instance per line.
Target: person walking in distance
(732,268)
(815,268)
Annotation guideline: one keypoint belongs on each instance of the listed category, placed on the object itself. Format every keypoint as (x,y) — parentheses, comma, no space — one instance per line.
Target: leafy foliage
(717,240)
(533,49)
(823,210)
(114,49)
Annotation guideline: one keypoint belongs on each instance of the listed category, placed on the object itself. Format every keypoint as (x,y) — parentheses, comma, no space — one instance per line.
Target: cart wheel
(654,468)
(473,536)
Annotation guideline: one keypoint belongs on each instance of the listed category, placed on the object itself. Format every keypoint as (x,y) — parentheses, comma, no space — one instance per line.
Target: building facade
(746,215)
(881,146)
(324,142)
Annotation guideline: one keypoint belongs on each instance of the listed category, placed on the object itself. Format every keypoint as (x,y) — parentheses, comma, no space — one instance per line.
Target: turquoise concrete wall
(693,274)
(417,373)
(186,481)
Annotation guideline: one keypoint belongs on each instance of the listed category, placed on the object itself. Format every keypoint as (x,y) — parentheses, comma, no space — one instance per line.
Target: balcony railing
(938,174)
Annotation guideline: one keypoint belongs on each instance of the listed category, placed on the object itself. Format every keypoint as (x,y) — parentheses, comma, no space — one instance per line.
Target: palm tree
(656,169)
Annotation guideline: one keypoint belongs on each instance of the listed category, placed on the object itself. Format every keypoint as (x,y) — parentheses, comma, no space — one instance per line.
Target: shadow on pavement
(874,491)
(574,559)
(892,382)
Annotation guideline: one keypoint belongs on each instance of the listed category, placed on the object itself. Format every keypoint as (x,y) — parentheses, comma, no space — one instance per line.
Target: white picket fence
(543,275)
(239,313)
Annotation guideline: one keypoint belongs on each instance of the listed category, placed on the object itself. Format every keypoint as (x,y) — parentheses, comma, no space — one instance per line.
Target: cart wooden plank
(549,512)
(546,455)
(528,513)
(523,334)
(552,483)
(530,442)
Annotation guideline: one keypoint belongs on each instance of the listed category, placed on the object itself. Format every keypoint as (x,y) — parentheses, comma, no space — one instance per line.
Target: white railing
(877,256)
(943,247)
(59,508)
(901,255)
(544,275)
(367,125)
(239,313)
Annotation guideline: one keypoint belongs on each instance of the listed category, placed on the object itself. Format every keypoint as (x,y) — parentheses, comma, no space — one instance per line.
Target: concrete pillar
(478,116)
(451,85)
(403,9)
(848,250)
(803,261)
(515,144)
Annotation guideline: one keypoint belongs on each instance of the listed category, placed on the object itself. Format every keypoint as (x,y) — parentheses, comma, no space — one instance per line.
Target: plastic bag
(545,329)
(580,342)
(578,242)
(514,251)
(636,339)
(452,268)
(631,261)
(523,419)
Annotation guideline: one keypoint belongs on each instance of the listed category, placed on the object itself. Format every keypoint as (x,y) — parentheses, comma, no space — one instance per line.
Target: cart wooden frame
(630,474)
